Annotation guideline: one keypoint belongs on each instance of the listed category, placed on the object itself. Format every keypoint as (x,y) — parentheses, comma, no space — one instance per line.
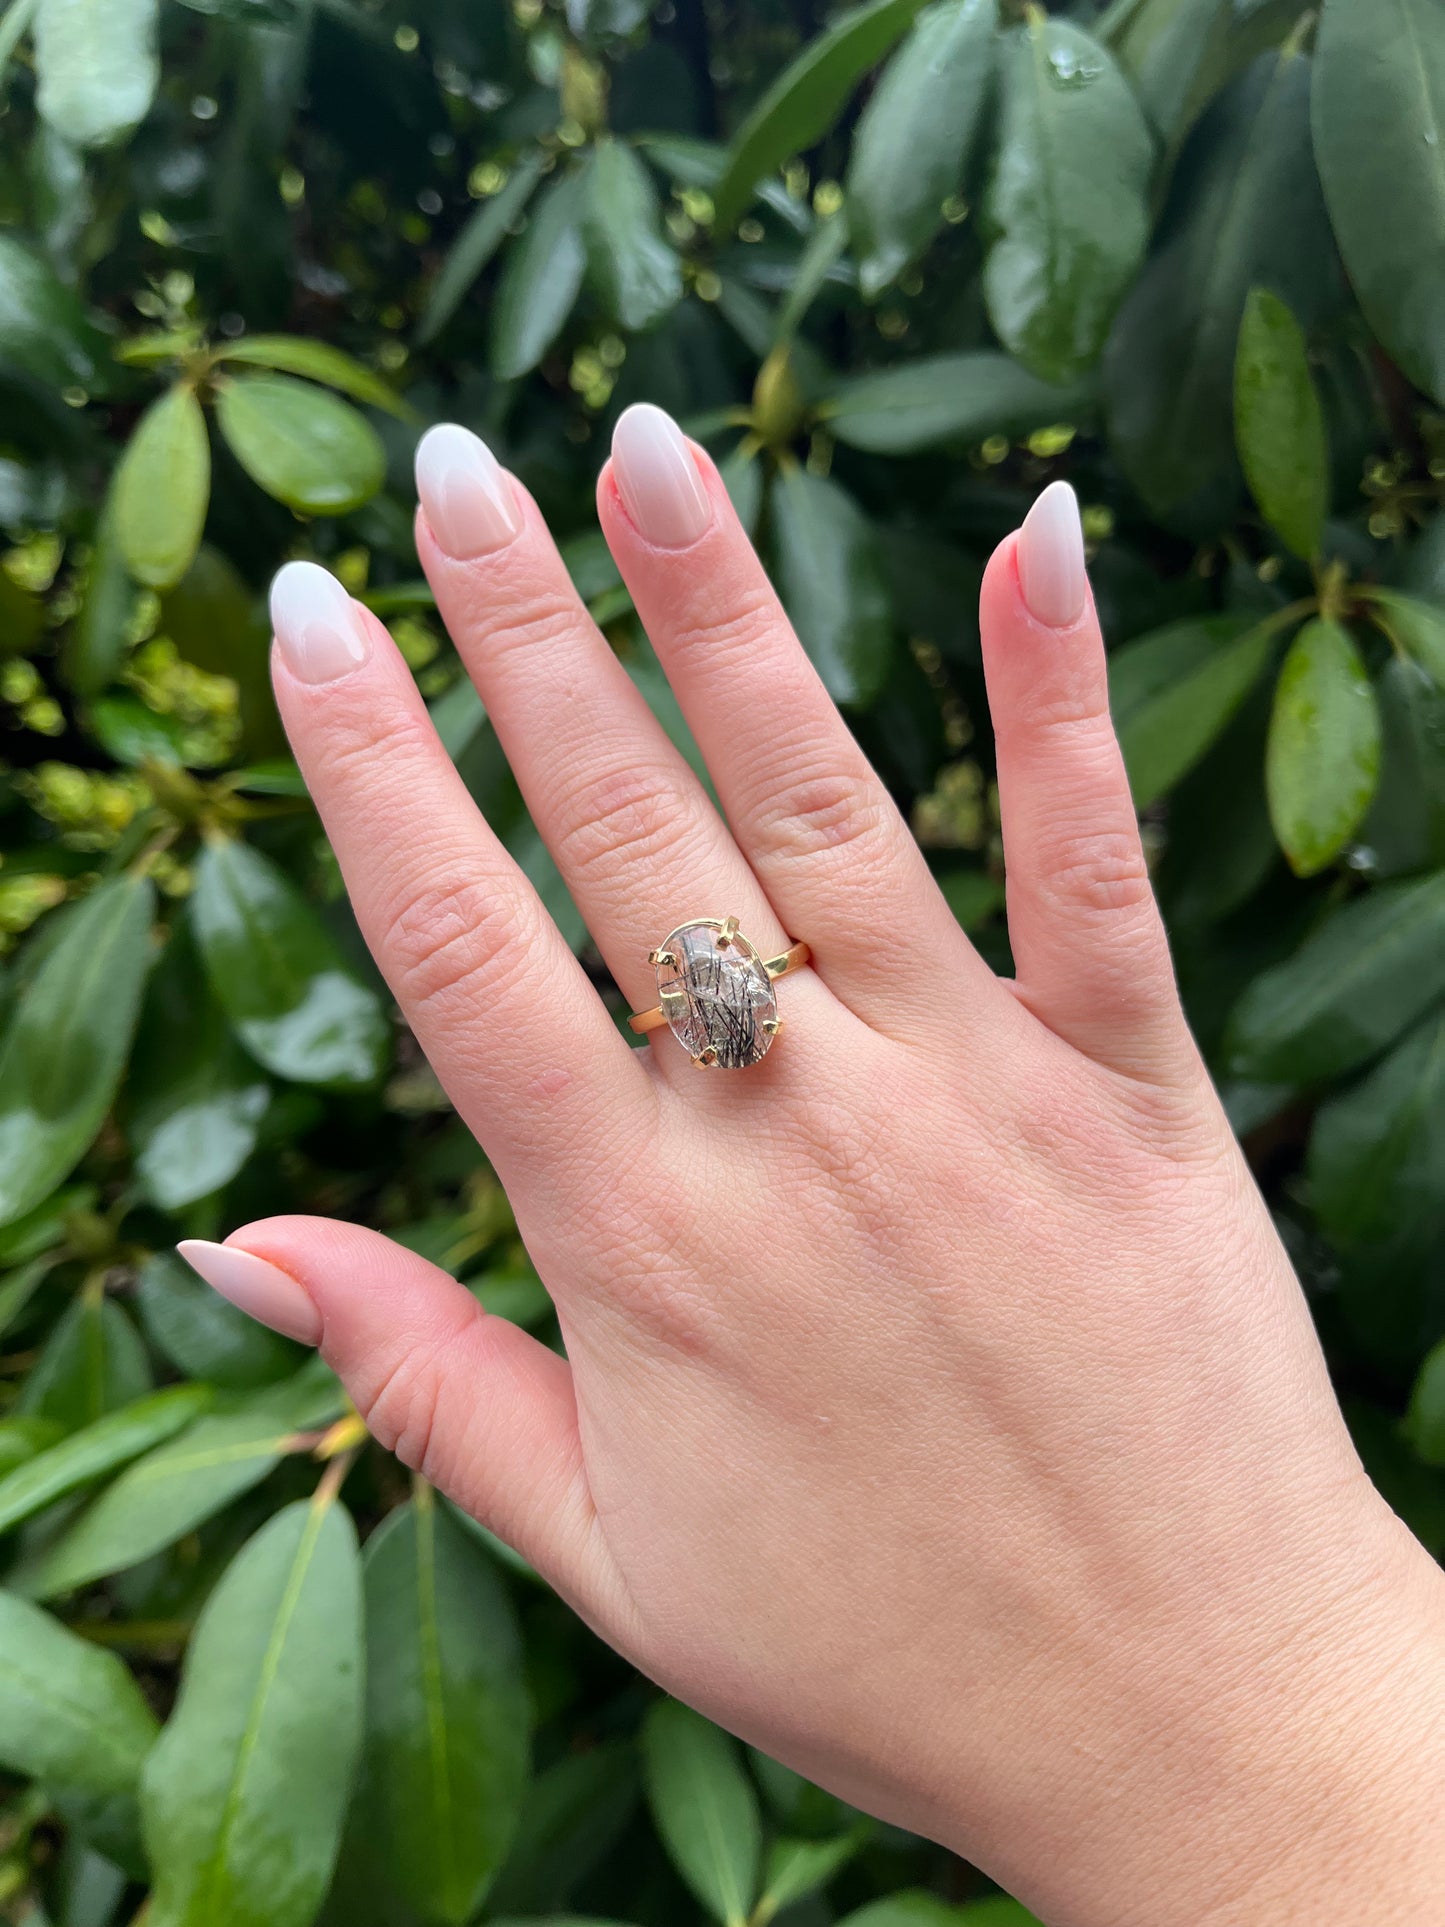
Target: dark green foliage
(898,270)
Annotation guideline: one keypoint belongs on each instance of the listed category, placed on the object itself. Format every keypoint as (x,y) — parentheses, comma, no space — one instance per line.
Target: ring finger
(633,832)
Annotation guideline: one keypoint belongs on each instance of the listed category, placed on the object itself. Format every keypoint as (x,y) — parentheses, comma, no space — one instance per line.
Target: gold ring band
(715,992)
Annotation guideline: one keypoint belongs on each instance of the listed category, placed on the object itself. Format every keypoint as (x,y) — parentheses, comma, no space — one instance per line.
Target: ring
(716,993)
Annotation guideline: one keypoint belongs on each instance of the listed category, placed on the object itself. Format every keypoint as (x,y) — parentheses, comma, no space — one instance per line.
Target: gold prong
(659,957)
(727,933)
(772,1025)
(705,1059)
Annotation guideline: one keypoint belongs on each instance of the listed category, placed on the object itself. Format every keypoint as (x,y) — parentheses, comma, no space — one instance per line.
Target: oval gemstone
(717,999)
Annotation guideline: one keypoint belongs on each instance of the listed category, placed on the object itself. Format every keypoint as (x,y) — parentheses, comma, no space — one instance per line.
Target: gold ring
(716,993)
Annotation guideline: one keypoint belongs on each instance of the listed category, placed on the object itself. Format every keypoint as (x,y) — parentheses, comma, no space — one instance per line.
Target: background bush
(898,269)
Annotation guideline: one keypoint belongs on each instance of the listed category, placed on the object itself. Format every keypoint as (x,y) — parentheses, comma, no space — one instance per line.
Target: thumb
(477,1406)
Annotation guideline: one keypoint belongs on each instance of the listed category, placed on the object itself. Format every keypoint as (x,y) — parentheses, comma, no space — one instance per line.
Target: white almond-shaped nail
(255,1286)
(1051,558)
(657,478)
(465,493)
(318,627)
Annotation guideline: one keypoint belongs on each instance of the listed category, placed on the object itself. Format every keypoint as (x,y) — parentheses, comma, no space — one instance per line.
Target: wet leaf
(1376,1150)
(162,489)
(1322,760)
(1171,694)
(1279,425)
(634,270)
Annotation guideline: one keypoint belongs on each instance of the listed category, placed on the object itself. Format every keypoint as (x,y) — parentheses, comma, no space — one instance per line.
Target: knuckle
(547,617)
(365,739)
(737,627)
(463,935)
(1100,872)
(401,1411)
(820,812)
(619,816)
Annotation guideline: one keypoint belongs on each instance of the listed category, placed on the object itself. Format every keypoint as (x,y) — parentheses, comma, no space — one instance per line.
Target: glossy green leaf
(478,241)
(202,1334)
(317,361)
(245,1792)
(65,1046)
(312,452)
(1377,1150)
(96,1449)
(831,581)
(806,98)
(1365,976)
(97,65)
(1068,203)
(24,1439)
(541,279)
(797,1868)
(915,136)
(704,1807)
(1379,131)
(1414,625)
(194,1100)
(1172,692)
(907,1909)
(45,331)
(1405,829)
(939,399)
(573,1813)
(177,1486)
(96,645)
(1171,51)
(278,975)
(633,268)
(1244,210)
(163,488)
(447,1726)
(1279,426)
(69,1711)
(1425,1419)
(1322,760)
(93,1363)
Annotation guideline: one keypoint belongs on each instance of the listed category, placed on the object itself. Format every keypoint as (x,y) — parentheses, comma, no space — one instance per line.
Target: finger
(633,831)
(818,826)
(503,1010)
(472,1403)
(1089,946)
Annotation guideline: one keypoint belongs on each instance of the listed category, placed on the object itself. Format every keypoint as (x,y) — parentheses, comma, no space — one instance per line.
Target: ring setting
(715,993)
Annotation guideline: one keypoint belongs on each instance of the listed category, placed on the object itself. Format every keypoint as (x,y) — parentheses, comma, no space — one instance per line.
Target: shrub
(897,269)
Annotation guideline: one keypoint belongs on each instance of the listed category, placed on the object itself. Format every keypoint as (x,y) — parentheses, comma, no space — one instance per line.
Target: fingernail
(465,493)
(1051,558)
(263,1291)
(317,624)
(657,477)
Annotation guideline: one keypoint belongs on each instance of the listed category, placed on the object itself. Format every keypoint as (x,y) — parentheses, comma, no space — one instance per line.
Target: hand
(940,1411)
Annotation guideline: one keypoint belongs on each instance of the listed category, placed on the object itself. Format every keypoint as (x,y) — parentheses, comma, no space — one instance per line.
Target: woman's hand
(940,1410)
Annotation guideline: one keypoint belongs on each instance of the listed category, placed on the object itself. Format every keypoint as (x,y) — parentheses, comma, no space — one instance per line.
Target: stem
(137,1635)
(331,1480)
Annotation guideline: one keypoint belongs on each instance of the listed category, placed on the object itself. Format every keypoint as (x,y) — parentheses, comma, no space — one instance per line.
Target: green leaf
(194,1099)
(831,581)
(1172,692)
(447,1729)
(1172,50)
(96,1449)
(914,138)
(1379,130)
(245,1792)
(1416,627)
(99,634)
(1279,426)
(309,450)
(572,1815)
(1405,829)
(483,234)
(317,361)
(704,1807)
(797,1868)
(1322,760)
(22,1439)
(98,66)
(93,1363)
(66,1045)
(1069,198)
(18,1287)
(541,279)
(939,399)
(1376,1151)
(805,100)
(178,1486)
(631,265)
(45,331)
(1348,992)
(163,488)
(69,1711)
(279,977)
(1244,211)
(1425,1419)
(204,1336)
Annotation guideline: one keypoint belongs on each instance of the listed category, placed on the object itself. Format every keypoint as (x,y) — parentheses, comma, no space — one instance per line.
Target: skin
(940,1411)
